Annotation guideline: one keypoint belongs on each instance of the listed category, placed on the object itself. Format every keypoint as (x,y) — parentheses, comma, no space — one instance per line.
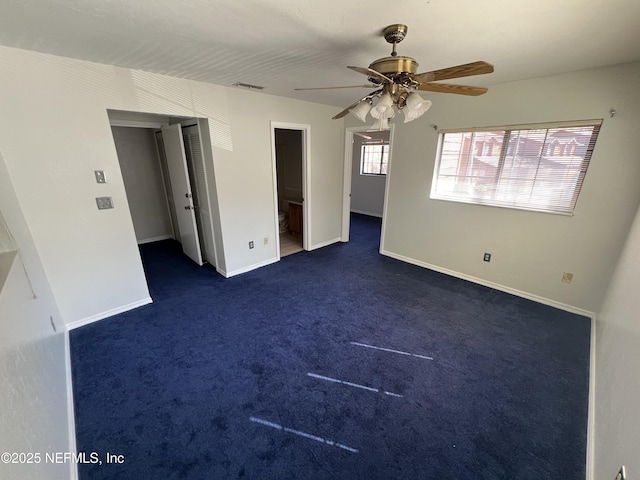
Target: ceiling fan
(396,81)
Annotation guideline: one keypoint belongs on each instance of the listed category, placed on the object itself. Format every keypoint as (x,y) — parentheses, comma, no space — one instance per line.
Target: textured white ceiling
(283,44)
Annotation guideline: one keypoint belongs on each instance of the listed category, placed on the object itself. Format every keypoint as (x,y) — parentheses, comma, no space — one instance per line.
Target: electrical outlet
(487,257)
(622,474)
(100,176)
(567,277)
(251,244)
(266,240)
(104,203)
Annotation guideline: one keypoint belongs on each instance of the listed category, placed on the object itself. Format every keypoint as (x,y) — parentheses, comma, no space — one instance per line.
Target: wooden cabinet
(295,218)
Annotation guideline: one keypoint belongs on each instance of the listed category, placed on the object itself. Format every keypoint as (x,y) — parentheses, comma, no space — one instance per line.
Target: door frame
(306,182)
(346,187)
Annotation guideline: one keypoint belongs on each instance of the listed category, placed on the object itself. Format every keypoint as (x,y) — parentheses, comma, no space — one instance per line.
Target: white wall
(54,131)
(34,413)
(617,429)
(530,250)
(367,191)
(142,176)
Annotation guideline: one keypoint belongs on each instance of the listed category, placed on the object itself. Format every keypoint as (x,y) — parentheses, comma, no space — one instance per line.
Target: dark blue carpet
(212,380)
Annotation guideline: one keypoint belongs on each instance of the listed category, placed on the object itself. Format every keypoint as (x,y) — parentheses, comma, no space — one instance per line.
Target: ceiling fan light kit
(396,81)
(415,107)
(384,107)
(380,124)
(361,110)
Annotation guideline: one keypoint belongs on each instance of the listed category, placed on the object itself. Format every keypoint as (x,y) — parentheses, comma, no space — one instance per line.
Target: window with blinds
(374,159)
(532,167)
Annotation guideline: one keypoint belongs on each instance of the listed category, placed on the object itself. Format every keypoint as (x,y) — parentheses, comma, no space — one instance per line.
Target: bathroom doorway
(290,171)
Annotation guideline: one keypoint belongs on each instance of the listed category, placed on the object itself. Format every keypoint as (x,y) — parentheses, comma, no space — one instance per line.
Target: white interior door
(181,190)
(195,162)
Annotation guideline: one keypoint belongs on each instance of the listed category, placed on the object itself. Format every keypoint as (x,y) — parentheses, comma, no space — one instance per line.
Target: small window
(531,167)
(374,159)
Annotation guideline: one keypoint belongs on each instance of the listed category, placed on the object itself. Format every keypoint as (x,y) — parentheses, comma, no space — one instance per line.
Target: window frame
(503,155)
(385,149)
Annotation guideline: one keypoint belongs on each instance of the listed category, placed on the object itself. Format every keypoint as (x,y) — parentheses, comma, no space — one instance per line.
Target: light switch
(104,203)
(100,177)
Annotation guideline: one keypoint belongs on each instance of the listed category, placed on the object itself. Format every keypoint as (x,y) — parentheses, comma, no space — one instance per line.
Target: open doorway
(367,164)
(290,156)
(163,169)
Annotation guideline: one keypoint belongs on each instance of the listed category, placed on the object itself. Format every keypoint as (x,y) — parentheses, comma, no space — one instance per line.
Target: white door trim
(306,176)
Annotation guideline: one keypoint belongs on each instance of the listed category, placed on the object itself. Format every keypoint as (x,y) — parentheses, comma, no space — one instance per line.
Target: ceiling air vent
(248,85)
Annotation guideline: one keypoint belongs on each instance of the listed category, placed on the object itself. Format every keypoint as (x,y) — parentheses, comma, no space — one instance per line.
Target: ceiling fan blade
(466,70)
(372,74)
(370,85)
(346,110)
(448,88)
(366,137)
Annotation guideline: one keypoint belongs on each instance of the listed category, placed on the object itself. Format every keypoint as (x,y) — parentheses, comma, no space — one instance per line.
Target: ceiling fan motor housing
(391,66)
(397,68)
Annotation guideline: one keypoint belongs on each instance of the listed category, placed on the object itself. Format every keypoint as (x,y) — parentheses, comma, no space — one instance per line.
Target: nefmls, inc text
(61,457)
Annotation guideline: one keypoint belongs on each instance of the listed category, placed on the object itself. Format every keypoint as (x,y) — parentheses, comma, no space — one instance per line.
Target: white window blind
(533,167)
(374,159)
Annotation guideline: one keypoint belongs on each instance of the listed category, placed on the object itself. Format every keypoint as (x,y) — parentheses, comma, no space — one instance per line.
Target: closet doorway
(290,180)
(162,165)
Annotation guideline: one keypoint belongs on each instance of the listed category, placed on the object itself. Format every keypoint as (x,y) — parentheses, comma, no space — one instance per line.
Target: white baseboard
(269,261)
(371,214)
(495,286)
(248,268)
(109,313)
(154,239)
(325,244)
(71,418)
